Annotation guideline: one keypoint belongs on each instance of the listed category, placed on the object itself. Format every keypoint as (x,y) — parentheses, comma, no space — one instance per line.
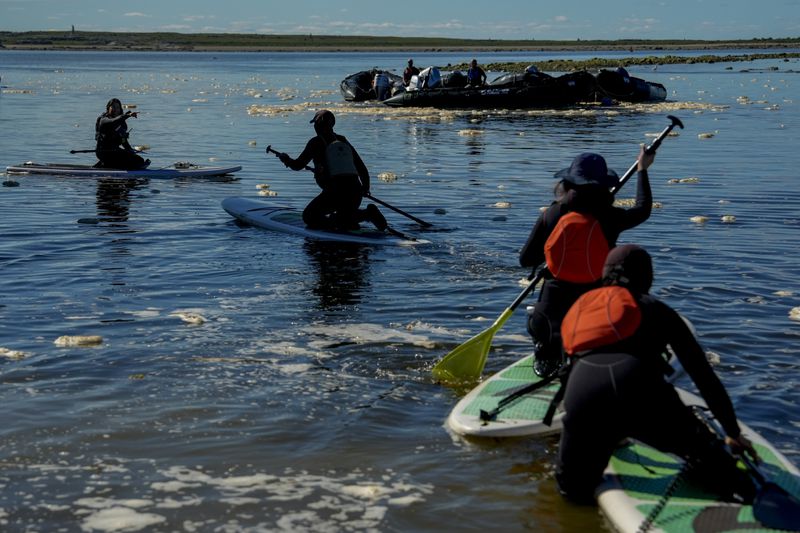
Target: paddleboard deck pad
(638,475)
(290,220)
(176,170)
(523,417)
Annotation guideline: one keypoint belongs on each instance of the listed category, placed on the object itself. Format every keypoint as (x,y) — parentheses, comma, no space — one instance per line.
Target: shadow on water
(341,272)
(113,200)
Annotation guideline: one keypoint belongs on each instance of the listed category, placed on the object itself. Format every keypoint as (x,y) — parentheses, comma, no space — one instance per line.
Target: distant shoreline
(171,42)
(410,49)
(220,43)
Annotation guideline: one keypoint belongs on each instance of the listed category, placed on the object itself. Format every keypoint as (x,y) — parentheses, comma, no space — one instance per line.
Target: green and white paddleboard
(520,418)
(637,476)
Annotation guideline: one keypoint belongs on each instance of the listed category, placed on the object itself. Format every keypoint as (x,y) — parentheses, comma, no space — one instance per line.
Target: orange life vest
(600,317)
(576,249)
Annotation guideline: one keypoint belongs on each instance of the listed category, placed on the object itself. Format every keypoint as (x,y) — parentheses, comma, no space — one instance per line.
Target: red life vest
(576,249)
(600,317)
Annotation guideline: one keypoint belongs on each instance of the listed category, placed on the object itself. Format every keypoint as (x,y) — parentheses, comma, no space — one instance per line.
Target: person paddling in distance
(573,237)
(342,176)
(614,336)
(111,133)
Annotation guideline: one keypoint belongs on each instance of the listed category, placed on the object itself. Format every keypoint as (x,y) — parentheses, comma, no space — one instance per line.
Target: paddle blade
(466,362)
(776,508)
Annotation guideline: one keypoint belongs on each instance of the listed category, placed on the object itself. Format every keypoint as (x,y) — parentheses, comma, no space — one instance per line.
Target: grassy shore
(81,40)
(570,65)
(229,42)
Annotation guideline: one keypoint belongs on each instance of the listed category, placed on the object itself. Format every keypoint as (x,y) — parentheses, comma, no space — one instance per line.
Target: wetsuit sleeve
(309,153)
(532,253)
(108,122)
(623,219)
(693,358)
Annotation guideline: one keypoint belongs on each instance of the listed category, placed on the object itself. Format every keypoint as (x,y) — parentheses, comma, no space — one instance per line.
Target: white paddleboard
(638,475)
(290,220)
(521,418)
(173,171)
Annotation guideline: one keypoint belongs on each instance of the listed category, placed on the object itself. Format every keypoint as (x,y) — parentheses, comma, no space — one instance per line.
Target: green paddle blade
(466,362)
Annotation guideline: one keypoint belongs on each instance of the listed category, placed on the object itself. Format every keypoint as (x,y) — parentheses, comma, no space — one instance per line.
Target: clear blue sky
(495,19)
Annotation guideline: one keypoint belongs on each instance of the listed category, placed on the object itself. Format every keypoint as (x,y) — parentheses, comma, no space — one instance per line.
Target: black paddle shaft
(651,149)
(398,210)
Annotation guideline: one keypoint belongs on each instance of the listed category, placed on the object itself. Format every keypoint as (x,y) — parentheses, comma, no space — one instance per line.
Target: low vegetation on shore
(84,40)
(570,65)
(230,42)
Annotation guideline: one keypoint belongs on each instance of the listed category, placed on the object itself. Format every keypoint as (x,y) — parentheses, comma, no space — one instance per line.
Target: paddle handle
(651,149)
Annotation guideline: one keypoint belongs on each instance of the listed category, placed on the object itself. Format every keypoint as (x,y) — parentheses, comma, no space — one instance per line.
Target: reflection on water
(341,271)
(309,383)
(113,199)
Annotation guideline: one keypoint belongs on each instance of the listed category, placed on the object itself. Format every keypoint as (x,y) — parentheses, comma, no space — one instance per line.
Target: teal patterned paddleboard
(520,418)
(637,476)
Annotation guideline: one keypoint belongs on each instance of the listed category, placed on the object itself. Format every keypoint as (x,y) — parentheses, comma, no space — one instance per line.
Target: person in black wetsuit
(584,187)
(342,176)
(616,387)
(111,134)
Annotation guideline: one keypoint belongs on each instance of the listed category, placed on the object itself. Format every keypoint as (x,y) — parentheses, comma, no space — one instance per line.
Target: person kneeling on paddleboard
(111,133)
(616,389)
(342,176)
(573,237)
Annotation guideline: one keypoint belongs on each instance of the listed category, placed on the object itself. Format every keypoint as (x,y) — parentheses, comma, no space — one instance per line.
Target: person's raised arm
(305,157)
(643,206)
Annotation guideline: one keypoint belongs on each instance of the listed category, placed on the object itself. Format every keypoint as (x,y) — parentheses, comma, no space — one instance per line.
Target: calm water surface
(304,401)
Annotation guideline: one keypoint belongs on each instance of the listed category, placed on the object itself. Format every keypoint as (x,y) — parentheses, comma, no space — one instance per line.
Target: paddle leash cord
(675,483)
(662,502)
